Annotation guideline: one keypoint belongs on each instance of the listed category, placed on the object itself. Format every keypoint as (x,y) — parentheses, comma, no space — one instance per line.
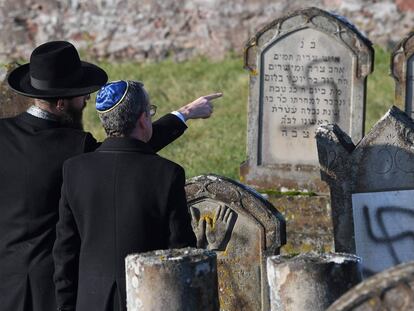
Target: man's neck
(139,135)
(46,106)
(41,113)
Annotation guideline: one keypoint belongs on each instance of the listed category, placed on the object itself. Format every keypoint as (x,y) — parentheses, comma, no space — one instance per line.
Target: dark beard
(72,118)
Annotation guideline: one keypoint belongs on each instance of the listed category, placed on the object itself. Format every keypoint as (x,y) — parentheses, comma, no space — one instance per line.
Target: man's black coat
(119,200)
(32,153)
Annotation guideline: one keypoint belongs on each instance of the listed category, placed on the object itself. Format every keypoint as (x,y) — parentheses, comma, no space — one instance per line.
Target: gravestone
(310,281)
(402,69)
(370,190)
(243,228)
(306,69)
(11,103)
(392,289)
(172,280)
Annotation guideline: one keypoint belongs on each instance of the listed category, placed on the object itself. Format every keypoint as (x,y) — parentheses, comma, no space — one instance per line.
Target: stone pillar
(177,279)
(310,282)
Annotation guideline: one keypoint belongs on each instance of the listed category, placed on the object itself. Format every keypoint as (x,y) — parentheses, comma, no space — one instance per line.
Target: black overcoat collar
(37,122)
(127,144)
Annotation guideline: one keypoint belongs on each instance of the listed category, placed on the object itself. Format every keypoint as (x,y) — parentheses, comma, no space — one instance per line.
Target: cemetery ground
(218,145)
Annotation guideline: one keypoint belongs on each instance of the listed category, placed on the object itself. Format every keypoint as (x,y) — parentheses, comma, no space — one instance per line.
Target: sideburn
(72,118)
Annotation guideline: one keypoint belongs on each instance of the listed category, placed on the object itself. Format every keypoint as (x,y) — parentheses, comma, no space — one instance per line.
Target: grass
(218,145)
(380,89)
(215,145)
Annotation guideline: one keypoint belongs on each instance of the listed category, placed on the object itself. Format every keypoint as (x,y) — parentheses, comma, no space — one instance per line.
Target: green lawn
(381,89)
(218,145)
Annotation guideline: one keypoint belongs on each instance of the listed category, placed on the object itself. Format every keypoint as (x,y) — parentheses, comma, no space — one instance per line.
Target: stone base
(308,222)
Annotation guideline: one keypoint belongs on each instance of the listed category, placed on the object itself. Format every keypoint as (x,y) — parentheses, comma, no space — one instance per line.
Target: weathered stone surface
(310,282)
(172,280)
(306,69)
(404,5)
(382,161)
(334,148)
(392,289)
(402,69)
(155,29)
(244,229)
(308,222)
(11,103)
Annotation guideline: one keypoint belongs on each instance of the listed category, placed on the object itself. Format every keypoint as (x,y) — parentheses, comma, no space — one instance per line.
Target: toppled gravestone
(371,190)
(11,103)
(172,280)
(243,228)
(310,281)
(392,289)
(402,69)
(306,68)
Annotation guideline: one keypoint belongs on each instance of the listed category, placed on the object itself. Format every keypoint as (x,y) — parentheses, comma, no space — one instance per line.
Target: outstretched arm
(201,108)
(170,127)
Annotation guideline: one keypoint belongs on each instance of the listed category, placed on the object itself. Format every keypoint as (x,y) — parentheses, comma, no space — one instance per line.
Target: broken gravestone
(402,69)
(372,186)
(172,280)
(243,228)
(306,69)
(392,289)
(310,281)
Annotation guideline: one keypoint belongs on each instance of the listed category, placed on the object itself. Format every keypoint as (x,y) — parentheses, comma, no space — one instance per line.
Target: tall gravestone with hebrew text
(402,69)
(372,190)
(306,69)
(243,228)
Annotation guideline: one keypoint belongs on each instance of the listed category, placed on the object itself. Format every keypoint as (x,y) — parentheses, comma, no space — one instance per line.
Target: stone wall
(155,29)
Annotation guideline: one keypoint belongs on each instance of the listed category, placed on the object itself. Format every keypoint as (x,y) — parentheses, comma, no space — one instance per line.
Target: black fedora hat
(55,70)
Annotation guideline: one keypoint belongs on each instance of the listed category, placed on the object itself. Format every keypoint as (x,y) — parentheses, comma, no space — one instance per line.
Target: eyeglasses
(152,110)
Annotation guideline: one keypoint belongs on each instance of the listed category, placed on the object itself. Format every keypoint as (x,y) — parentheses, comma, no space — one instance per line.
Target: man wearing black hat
(34,146)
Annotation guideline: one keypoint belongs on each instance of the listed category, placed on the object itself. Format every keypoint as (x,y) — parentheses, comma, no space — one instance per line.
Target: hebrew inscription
(306,82)
(307,69)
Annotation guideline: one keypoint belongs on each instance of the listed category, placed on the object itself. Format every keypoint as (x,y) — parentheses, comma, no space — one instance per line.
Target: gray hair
(122,119)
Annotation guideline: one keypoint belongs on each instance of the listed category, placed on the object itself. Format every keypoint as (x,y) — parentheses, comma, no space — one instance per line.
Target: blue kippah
(110,95)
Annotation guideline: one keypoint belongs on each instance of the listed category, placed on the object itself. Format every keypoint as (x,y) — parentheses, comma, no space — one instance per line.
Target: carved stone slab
(402,69)
(392,289)
(382,161)
(306,69)
(244,229)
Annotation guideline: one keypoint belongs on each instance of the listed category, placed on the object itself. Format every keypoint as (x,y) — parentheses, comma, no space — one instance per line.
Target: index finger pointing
(213,96)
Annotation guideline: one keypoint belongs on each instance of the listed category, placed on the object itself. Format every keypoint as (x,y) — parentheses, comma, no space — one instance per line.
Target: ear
(142,121)
(61,105)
